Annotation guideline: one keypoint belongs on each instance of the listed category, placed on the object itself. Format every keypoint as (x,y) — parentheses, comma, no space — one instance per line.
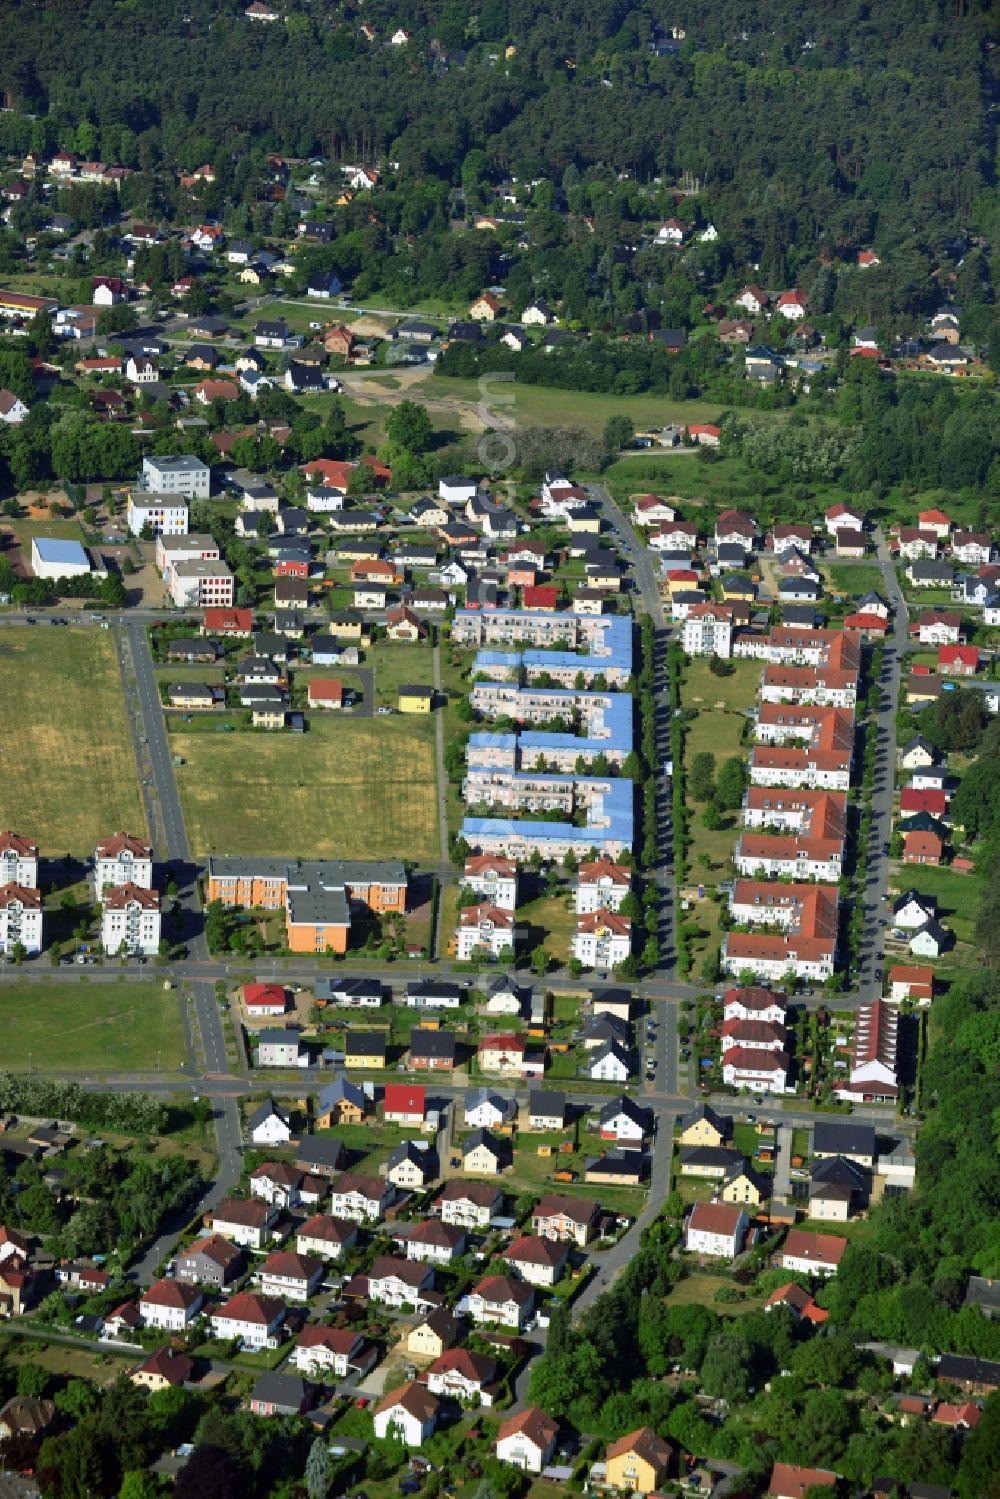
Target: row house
(873,1076)
(816,647)
(779,723)
(823,685)
(789,856)
(814,813)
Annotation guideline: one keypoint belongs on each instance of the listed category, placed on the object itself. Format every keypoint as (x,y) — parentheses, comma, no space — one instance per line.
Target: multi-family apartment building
(123,859)
(130,920)
(20,918)
(315,895)
(201,584)
(179,474)
(18,860)
(164,514)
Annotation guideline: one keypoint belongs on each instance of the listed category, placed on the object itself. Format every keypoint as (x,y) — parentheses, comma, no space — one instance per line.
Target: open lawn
(395,665)
(542,405)
(701,1290)
(67,773)
(721,703)
(349,788)
(101,1026)
(958,897)
(854,579)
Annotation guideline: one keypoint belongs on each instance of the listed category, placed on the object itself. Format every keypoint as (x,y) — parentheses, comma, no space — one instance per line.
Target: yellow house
(703,1126)
(415,699)
(345,627)
(738,588)
(434,1336)
(584,520)
(365,1049)
(486,308)
(484,1158)
(744,1187)
(638,1462)
(251,276)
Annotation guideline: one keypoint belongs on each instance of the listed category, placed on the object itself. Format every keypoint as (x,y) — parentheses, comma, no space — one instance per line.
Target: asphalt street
(648,586)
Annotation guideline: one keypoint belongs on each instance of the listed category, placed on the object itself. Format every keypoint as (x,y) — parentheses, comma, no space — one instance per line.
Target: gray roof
(843,1137)
(542,1102)
(322,1150)
(265,1111)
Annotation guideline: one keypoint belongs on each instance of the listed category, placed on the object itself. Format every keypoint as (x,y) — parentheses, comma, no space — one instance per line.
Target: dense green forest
(809,131)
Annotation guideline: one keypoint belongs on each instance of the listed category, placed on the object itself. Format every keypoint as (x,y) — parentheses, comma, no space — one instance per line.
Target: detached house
(499,1299)
(527,1440)
(716,1229)
(171,1305)
(253,1320)
(408,1415)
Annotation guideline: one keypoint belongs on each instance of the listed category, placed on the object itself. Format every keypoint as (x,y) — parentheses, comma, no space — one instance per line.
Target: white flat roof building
(55,558)
(181,474)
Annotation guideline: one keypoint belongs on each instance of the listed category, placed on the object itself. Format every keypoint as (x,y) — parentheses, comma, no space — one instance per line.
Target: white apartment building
(602,939)
(182,474)
(18,860)
(708,630)
(20,918)
(131,915)
(200,584)
(484,929)
(196,546)
(601,886)
(123,860)
(164,514)
(494,880)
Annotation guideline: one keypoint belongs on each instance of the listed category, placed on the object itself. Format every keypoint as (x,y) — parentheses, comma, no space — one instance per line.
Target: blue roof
(494,741)
(612,814)
(51,550)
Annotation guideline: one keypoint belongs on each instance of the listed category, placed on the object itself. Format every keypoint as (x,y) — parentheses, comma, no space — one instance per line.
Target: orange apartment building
(316,895)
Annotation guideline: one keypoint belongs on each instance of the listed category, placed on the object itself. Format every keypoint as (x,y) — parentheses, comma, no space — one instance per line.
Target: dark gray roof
(843,1137)
(321,1150)
(264,1111)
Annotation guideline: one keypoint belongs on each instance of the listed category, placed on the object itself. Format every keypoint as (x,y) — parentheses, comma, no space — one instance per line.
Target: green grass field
(716,730)
(67,774)
(349,788)
(396,665)
(854,579)
(958,897)
(543,406)
(100,1026)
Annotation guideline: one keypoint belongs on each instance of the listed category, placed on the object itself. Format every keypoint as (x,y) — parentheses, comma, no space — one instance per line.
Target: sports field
(349,788)
(67,771)
(90,1026)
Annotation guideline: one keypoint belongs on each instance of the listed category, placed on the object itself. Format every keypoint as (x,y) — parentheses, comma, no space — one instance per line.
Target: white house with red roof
(602,939)
(792,304)
(527,1440)
(492,878)
(123,859)
(255,1320)
(705,434)
(463,1376)
(841,517)
(325,1352)
(265,999)
(601,885)
(171,1305)
(752,299)
(716,1229)
(484,929)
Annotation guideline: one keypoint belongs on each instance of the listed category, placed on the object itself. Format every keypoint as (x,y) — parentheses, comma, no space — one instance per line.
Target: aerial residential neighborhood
(499,795)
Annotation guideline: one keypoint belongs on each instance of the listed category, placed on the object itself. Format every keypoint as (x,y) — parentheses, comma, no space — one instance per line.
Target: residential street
(648,587)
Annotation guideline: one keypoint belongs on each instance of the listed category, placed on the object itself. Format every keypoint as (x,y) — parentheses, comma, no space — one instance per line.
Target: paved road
(782,1185)
(868,977)
(442,782)
(647,583)
(174,845)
